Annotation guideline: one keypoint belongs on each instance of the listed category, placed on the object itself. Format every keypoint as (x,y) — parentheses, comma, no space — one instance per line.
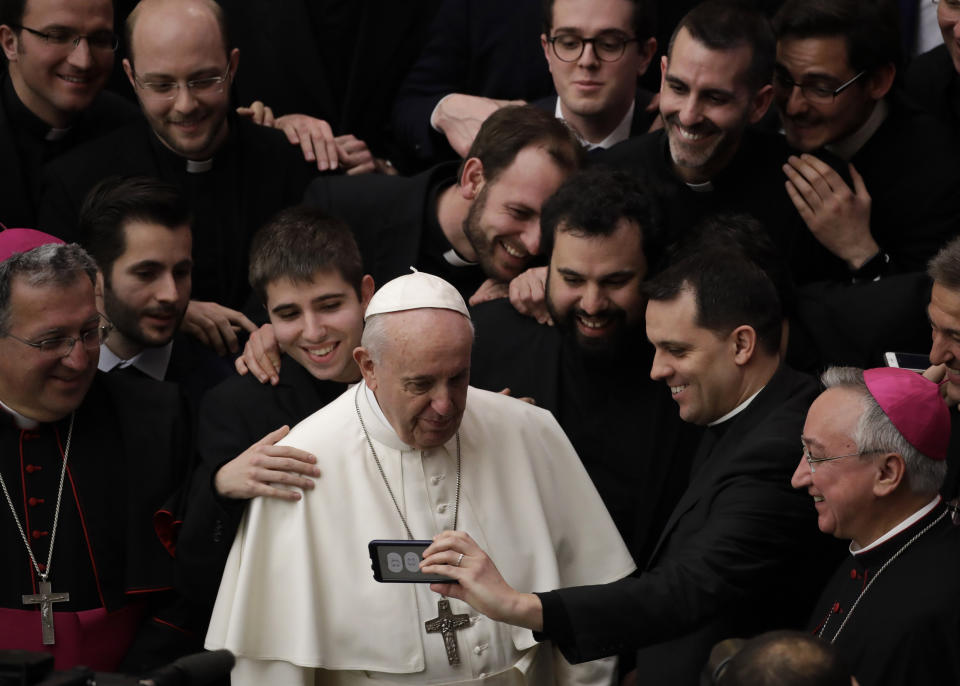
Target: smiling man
(874,449)
(737,533)
(59,55)
(99,545)
(407,452)
(715,82)
(597,51)
(592,369)
(873,177)
(234,174)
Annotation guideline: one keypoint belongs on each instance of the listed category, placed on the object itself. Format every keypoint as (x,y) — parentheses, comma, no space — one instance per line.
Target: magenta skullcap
(13,241)
(915,407)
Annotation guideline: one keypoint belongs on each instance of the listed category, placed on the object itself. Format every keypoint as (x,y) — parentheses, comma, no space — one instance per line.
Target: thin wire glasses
(62,346)
(104,41)
(608,47)
(814,461)
(168,90)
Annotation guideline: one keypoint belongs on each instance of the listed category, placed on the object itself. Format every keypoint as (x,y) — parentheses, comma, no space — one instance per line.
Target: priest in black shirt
(874,449)
(59,56)
(234,173)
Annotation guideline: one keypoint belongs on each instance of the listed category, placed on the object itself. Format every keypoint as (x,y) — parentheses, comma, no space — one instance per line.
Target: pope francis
(407,453)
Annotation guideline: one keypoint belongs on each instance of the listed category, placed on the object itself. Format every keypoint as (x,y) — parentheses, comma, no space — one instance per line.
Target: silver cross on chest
(447,623)
(45,599)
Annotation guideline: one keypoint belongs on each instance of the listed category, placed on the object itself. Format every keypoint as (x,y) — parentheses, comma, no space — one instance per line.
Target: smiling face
(842,490)
(319,323)
(57,82)
(706,103)
(503,222)
(180,41)
(592,91)
(35,384)
(821,61)
(593,286)
(421,378)
(944,314)
(699,365)
(148,289)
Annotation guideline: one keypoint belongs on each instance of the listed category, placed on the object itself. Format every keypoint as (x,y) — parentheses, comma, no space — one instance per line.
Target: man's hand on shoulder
(838,216)
(215,326)
(267,469)
(528,294)
(258,113)
(480,585)
(261,356)
(460,116)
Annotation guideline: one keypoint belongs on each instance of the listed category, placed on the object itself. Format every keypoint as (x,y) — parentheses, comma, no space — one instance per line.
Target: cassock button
(441,508)
(836,608)
(437,479)
(31,468)
(42,567)
(853,574)
(33,502)
(38,534)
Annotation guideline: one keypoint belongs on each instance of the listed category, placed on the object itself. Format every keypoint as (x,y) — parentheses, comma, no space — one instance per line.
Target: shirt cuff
(433,114)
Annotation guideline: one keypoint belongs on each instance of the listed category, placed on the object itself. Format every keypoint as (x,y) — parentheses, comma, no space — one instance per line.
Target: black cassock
(114,545)
(255,174)
(906,628)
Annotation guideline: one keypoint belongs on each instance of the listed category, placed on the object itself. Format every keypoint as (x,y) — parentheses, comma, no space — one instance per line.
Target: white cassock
(298,603)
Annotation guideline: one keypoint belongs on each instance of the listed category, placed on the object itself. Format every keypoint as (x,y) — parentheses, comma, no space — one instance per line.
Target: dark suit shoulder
(644,154)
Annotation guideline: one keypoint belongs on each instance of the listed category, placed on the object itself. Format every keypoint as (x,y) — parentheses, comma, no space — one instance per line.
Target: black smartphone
(399,562)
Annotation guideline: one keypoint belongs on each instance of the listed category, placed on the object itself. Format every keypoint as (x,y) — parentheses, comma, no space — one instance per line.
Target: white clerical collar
(735,411)
(454,259)
(199,166)
(24,423)
(899,528)
(151,361)
(55,134)
(704,187)
(846,148)
(618,135)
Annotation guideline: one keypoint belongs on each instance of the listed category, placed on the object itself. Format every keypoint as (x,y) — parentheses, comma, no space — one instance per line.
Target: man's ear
(98,287)
(891,471)
(648,49)
(234,63)
(546,49)
(472,178)
(128,70)
(760,103)
(744,341)
(367,287)
(9,41)
(367,367)
(880,81)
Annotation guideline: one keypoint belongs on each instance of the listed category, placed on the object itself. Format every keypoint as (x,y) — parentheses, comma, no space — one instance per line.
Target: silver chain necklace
(56,513)
(46,597)
(876,576)
(383,475)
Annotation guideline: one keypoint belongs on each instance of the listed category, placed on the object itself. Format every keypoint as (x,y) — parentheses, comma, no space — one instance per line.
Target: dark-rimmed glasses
(62,346)
(101,40)
(608,47)
(813,92)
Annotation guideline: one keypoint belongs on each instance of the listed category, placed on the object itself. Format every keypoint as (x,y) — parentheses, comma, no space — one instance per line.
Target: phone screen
(399,562)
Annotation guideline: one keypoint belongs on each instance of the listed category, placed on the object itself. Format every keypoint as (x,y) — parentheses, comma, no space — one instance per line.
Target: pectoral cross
(46,598)
(447,623)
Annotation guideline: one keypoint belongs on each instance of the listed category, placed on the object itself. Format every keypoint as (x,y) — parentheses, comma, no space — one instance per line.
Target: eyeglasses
(168,90)
(814,92)
(813,461)
(104,41)
(62,346)
(608,47)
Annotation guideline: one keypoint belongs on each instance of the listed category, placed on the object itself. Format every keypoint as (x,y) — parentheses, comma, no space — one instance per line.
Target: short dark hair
(729,291)
(218,14)
(785,658)
(644,18)
(54,263)
(592,201)
(731,24)
(511,129)
(871,28)
(944,267)
(12,11)
(299,242)
(118,200)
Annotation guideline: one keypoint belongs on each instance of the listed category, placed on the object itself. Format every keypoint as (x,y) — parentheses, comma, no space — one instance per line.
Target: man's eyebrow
(566,271)
(806,440)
